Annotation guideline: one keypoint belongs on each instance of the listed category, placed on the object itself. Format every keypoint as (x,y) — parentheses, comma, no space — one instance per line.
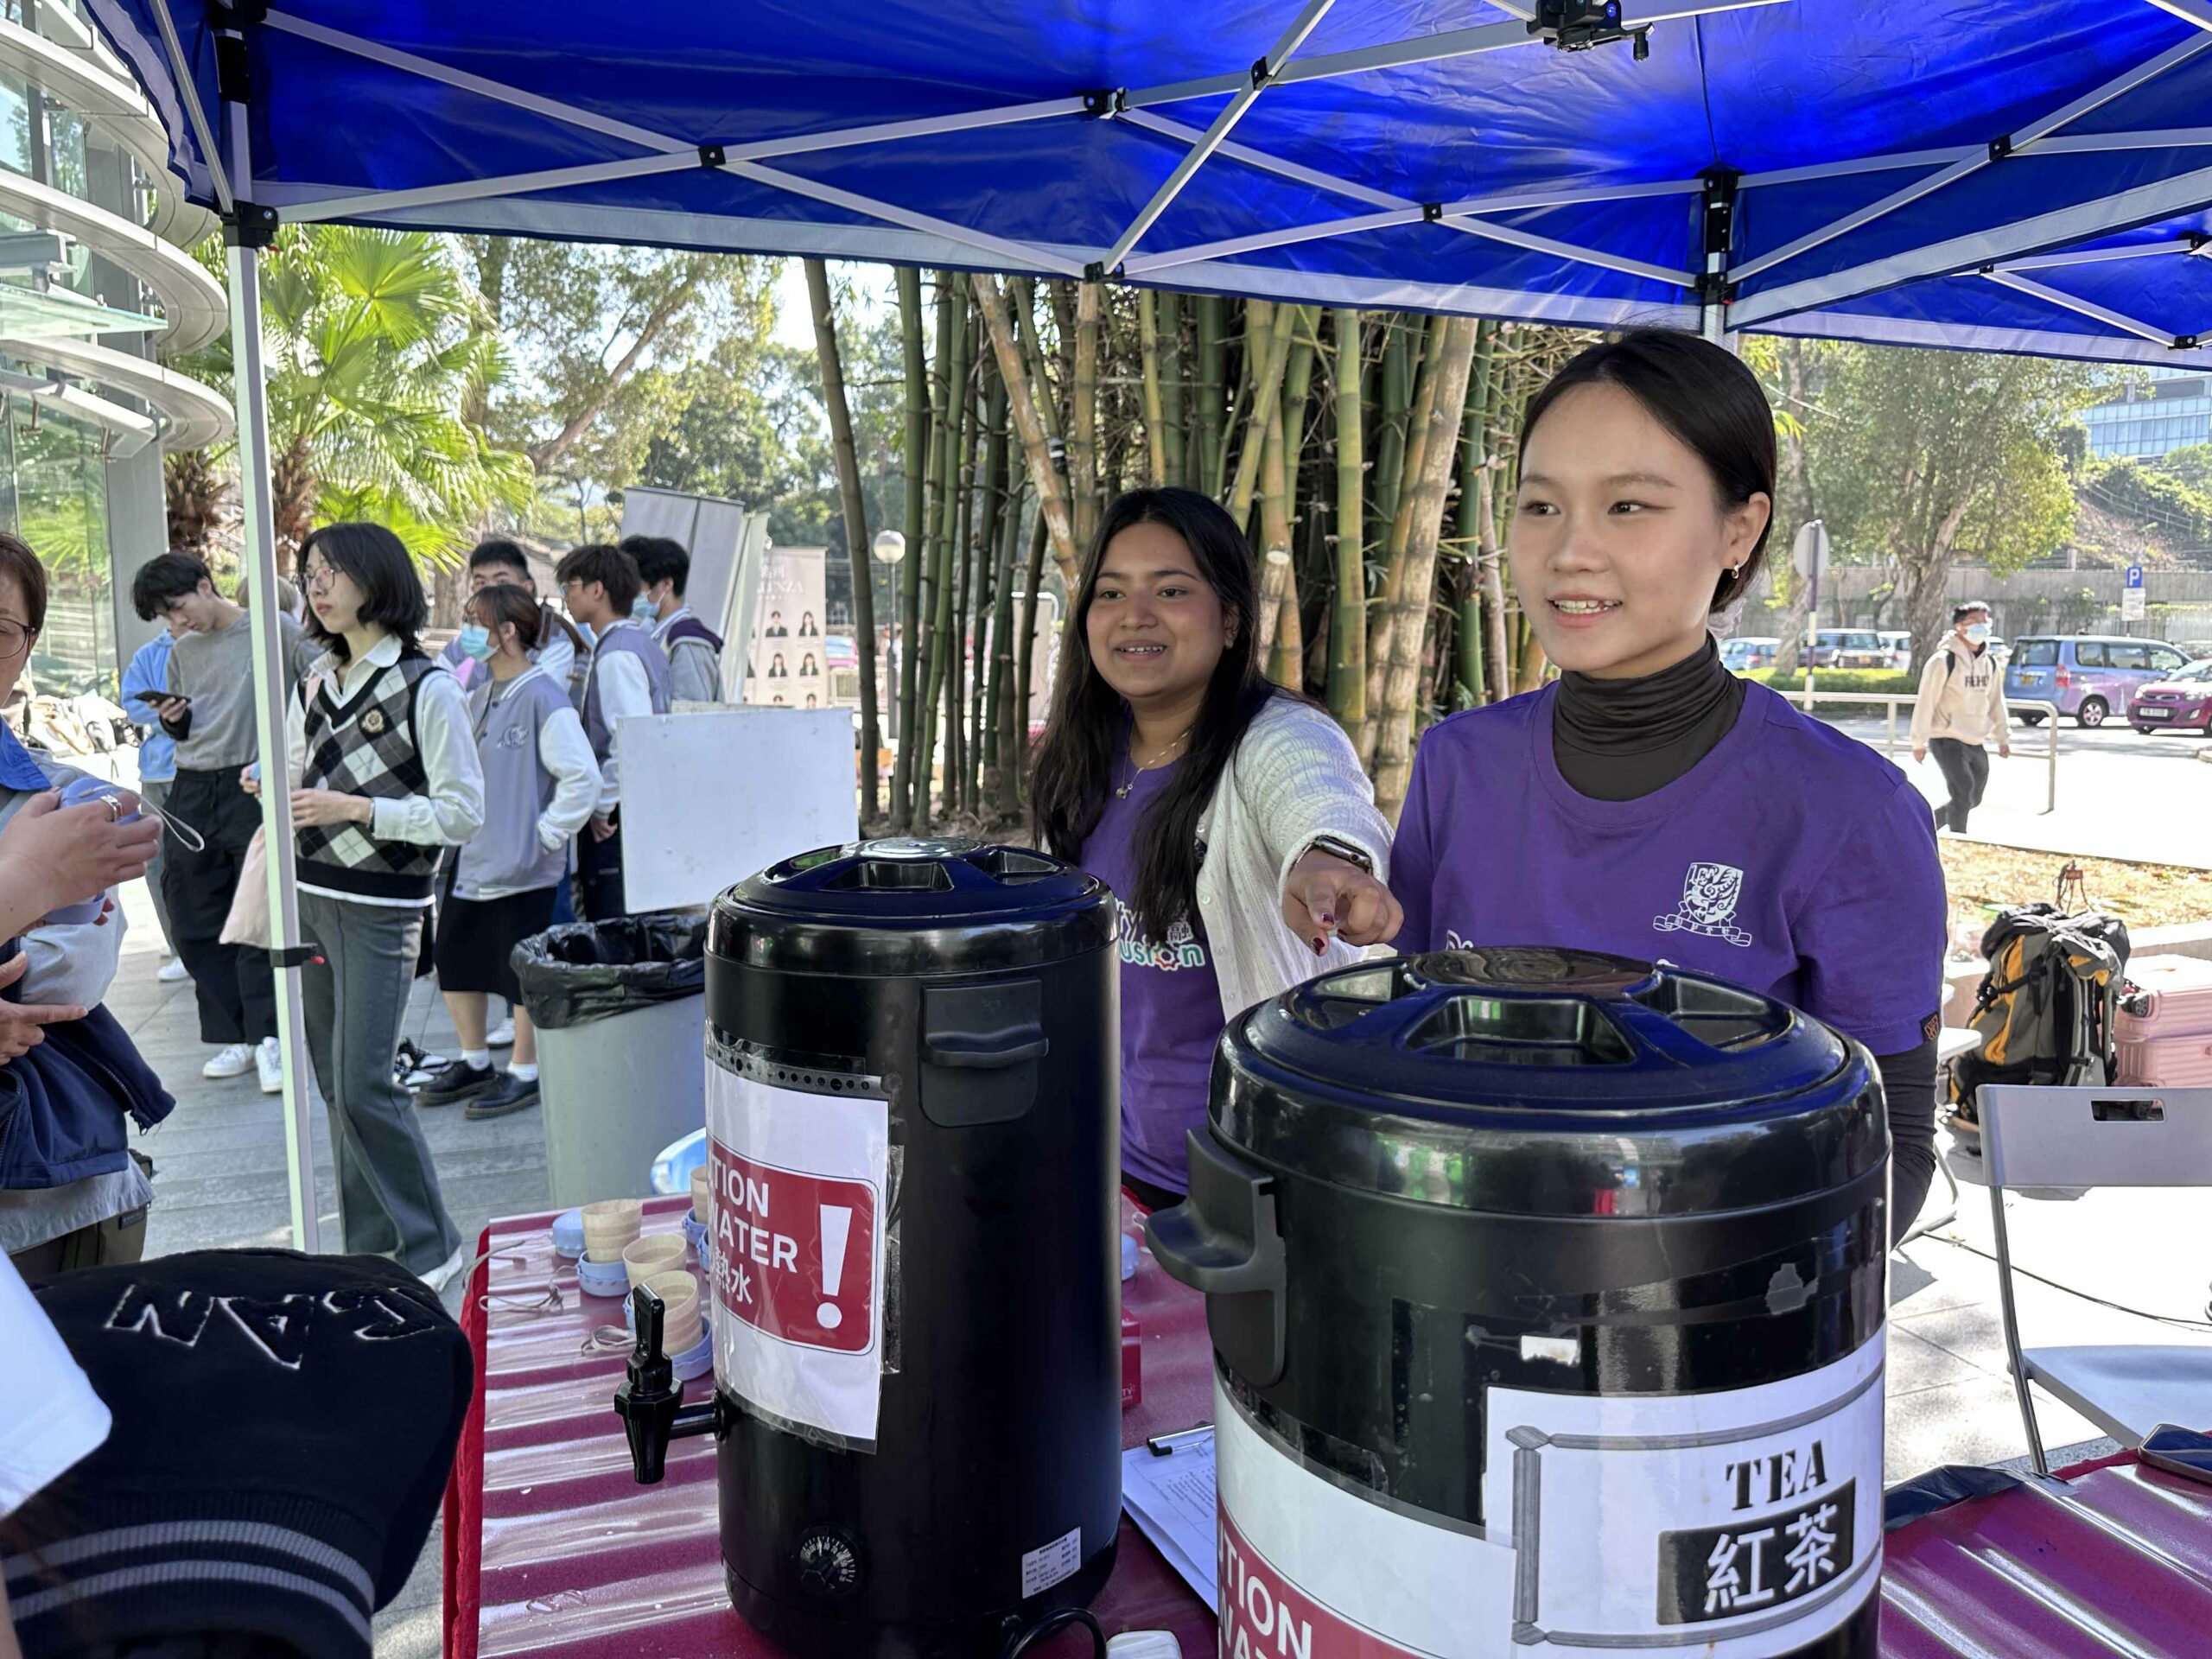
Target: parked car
(2181,701)
(1900,649)
(1748,652)
(2087,676)
(1846,648)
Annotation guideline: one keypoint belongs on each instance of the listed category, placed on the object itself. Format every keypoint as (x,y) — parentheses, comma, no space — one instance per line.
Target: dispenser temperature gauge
(829,1564)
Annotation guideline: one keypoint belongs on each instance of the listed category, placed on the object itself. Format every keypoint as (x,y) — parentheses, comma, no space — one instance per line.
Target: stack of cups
(655,1253)
(698,1223)
(610,1228)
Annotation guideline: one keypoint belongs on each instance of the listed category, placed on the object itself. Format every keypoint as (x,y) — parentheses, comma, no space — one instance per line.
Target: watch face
(829,1564)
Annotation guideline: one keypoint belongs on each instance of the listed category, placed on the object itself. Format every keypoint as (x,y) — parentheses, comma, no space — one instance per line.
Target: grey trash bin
(621,1047)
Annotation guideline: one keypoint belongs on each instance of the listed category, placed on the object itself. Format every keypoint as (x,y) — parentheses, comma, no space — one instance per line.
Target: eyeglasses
(317,577)
(14,638)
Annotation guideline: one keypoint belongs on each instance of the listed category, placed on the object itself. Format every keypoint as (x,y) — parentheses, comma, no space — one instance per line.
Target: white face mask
(1977,633)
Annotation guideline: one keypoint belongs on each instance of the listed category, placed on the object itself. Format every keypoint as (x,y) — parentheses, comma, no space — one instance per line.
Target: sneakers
(459,1081)
(411,1068)
(269,1059)
(501,1035)
(512,1094)
(233,1061)
(174,972)
(441,1275)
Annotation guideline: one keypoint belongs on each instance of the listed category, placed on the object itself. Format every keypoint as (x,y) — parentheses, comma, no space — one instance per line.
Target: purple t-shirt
(1791,859)
(1170,1005)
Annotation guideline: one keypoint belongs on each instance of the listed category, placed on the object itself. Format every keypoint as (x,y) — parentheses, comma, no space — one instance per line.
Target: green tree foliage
(376,351)
(1928,452)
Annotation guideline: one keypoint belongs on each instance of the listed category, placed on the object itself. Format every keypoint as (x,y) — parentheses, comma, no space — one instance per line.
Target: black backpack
(2046,1007)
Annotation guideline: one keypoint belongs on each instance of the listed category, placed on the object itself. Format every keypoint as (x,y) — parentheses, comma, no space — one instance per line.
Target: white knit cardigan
(1294,777)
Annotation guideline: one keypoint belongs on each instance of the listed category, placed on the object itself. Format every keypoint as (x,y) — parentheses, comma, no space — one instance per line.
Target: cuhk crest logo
(1710,895)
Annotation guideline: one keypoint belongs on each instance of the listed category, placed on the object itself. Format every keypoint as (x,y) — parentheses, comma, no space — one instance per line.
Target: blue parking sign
(2135,575)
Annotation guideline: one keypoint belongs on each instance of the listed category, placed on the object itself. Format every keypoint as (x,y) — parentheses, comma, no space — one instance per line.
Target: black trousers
(236,994)
(1965,773)
(599,875)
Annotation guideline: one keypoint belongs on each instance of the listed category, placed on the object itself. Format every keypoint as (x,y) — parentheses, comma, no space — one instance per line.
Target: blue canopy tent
(2020,175)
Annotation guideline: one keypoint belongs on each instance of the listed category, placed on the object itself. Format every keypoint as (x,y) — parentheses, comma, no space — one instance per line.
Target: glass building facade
(2171,412)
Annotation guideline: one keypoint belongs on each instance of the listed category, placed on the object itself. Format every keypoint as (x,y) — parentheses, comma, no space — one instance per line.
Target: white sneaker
(270,1060)
(501,1035)
(174,972)
(233,1061)
(441,1275)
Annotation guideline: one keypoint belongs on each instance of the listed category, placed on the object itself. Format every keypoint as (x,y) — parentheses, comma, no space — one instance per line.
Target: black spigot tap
(651,1399)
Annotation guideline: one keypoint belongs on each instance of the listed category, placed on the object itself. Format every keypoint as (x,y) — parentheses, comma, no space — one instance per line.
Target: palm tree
(375,350)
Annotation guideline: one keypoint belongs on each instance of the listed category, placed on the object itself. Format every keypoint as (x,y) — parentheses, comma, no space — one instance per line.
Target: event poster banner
(798,1215)
(786,664)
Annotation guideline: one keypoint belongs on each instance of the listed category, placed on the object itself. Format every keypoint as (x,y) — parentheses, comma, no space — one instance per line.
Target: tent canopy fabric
(2007,174)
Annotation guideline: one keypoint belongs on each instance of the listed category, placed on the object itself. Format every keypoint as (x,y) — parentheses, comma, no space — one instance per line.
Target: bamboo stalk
(854,506)
(1001,759)
(1172,436)
(1382,628)
(1445,401)
(1285,661)
(1274,583)
(997,472)
(1474,461)
(1022,378)
(1267,350)
(1083,414)
(1213,361)
(1397,401)
(937,592)
(955,640)
(916,461)
(1348,625)
(1155,401)
(1025,642)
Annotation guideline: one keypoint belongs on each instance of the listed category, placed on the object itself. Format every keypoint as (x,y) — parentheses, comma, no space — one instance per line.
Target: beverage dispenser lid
(911,906)
(1491,1063)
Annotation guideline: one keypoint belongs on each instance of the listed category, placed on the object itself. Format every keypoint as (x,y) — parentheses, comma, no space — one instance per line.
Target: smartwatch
(1336,847)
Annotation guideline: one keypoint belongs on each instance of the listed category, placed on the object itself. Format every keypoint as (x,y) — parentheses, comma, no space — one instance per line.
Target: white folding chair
(2121,1136)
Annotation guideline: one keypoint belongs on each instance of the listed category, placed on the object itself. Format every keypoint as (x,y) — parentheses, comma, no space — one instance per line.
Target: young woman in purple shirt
(1206,797)
(1650,803)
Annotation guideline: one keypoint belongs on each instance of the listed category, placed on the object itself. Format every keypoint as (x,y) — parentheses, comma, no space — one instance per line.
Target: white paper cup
(654,1253)
(702,1183)
(610,1225)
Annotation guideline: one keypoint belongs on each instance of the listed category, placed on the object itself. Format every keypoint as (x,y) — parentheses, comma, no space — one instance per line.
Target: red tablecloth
(552,1548)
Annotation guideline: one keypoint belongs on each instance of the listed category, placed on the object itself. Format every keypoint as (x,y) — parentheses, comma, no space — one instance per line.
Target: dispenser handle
(1223,1239)
(986,1050)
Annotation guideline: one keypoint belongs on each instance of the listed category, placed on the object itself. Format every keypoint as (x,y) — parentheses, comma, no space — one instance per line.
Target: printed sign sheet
(1742,1524)
(799,1189)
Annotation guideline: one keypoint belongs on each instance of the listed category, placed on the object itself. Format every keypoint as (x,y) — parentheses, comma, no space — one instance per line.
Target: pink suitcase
(2164,1029)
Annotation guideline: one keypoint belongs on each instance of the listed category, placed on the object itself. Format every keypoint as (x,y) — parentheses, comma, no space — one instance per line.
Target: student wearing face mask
(1650,803)
(1961,710)
(540,784)
(557,647)
(694,650)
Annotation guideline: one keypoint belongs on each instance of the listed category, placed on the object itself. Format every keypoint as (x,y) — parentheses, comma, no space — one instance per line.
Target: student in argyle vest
(380,745)
(694,650)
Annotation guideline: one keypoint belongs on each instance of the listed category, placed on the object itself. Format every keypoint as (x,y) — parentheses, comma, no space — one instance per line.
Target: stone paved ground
(220,1181)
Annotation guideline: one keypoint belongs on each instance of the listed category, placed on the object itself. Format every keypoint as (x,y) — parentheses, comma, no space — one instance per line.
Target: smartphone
(159,696)
(2179,1451)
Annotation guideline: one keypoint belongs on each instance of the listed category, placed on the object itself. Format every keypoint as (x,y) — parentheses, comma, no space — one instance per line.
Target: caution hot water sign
(798,1183)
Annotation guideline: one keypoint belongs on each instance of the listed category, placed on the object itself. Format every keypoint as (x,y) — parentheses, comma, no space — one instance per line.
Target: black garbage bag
(583,971)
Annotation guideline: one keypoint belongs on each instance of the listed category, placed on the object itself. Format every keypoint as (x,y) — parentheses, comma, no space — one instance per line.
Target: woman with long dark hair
(385,777)
(1650,803)
(1207,799)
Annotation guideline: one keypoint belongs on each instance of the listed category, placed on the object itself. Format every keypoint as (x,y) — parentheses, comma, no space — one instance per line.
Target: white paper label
(798,1216)
(1737,1525)
(1044,1568)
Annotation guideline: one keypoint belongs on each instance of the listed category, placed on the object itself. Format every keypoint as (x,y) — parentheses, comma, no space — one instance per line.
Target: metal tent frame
(1711,289)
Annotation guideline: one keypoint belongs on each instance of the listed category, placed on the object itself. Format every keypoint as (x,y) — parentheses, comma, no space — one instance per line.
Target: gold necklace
(1121,791)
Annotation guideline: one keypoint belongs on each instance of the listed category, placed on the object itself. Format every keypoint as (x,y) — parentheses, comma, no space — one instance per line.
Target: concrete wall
(2028,601)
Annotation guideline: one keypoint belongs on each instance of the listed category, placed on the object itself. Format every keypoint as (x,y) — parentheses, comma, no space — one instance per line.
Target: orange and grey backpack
(2046,1007)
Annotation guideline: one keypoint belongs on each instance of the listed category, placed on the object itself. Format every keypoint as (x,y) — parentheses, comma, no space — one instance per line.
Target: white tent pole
(2101,256)
(2189,11)
(1265,70)
(188,89)
(354,204)
(2066,301)
(258,522)
(1018,256)
(2008,145)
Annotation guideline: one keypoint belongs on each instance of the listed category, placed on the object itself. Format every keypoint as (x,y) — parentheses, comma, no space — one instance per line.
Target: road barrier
(1810,701)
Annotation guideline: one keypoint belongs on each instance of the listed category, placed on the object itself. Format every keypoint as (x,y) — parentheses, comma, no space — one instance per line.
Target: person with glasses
(629,676)
(207,707)
(379,743)
(71,1193)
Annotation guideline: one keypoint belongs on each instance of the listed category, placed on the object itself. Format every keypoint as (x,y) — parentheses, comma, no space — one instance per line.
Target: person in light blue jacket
(149,676)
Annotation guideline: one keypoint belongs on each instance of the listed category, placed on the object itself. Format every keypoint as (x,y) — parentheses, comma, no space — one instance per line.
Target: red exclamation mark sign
(836,1228)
